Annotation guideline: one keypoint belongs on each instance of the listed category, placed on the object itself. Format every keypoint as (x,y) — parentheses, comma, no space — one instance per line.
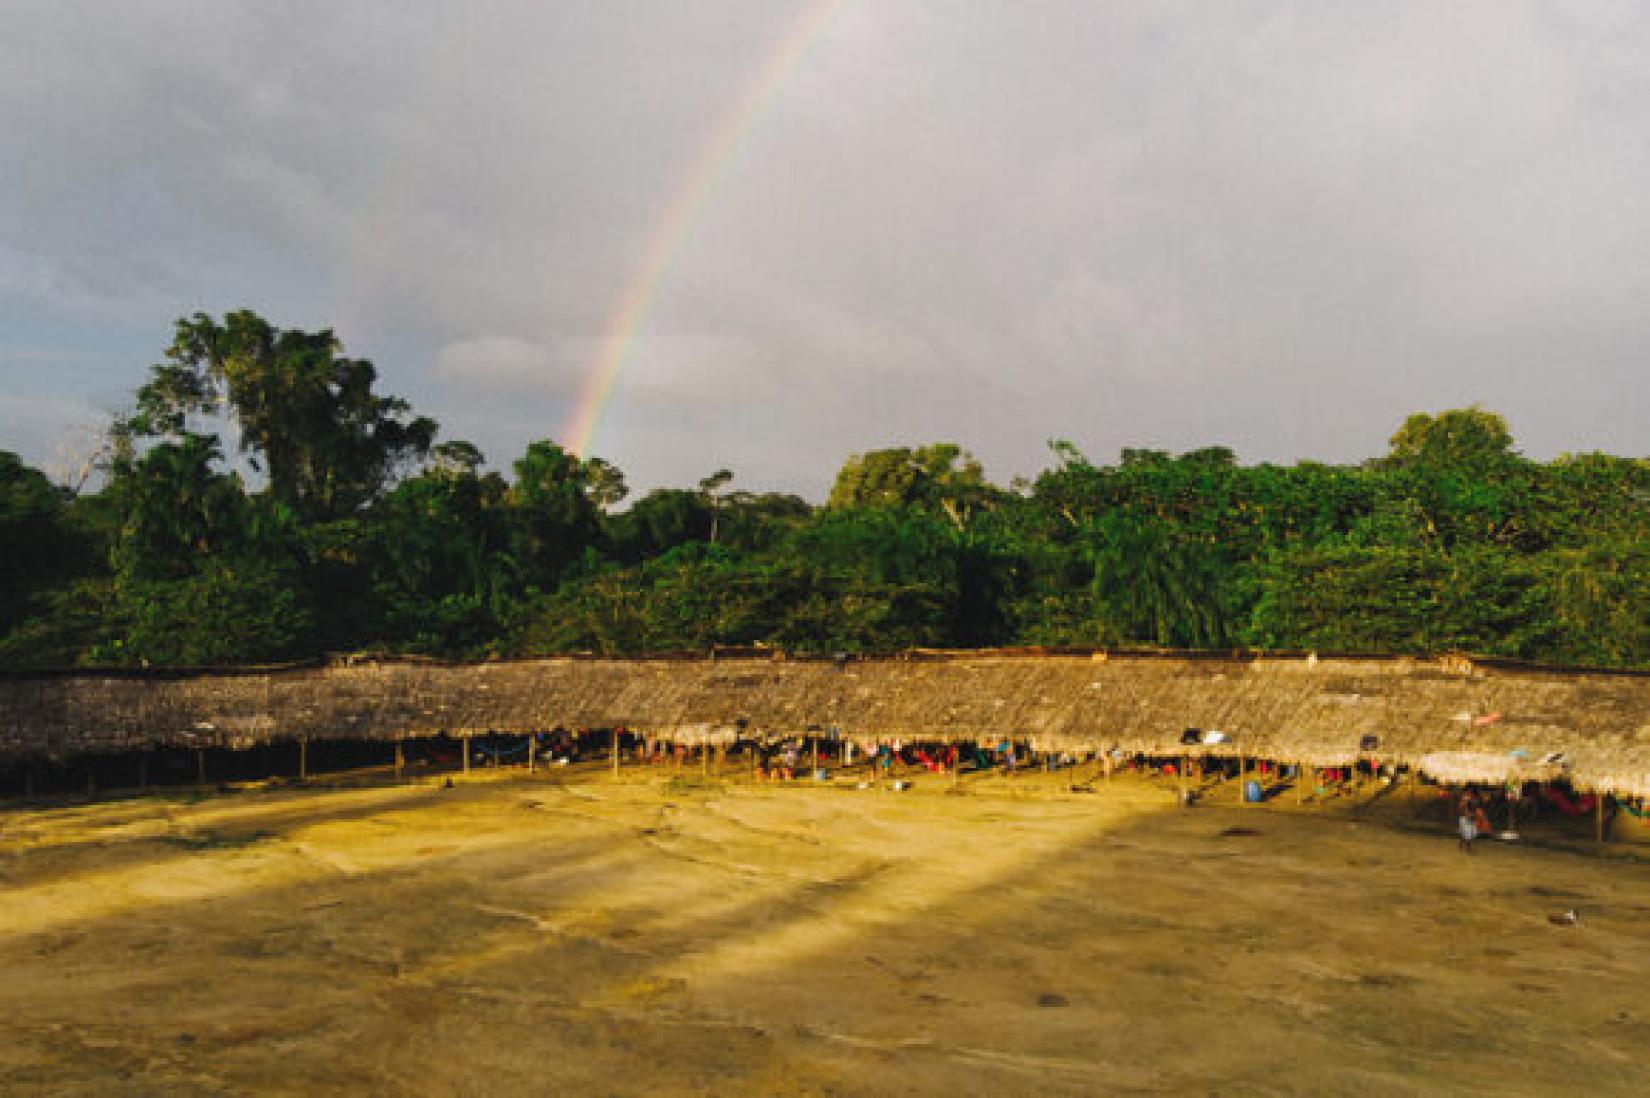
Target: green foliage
(1398,599)
(41,547)
(939,475)
(555,511)
(225,613)
(1467,441)
(178,510)
(307,416)
(1155,586)
(345,541)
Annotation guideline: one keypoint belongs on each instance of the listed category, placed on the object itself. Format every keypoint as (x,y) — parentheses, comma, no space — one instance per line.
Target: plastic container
(1252,792)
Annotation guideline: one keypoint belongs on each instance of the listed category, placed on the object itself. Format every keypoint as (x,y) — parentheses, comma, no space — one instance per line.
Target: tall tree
(556,504)
(1466,440)
(306,416)
(177,509)
(900,476)
(710,489)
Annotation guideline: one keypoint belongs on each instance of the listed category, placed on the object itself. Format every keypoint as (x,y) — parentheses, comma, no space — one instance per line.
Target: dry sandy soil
(584,934)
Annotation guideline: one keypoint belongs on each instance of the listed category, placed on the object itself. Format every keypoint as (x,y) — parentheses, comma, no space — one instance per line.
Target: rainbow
(631,309)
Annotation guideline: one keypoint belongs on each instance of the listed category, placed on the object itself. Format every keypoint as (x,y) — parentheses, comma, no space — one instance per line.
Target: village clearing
(580,933)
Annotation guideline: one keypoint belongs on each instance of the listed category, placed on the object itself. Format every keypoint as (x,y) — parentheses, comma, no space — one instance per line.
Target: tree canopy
(345,525)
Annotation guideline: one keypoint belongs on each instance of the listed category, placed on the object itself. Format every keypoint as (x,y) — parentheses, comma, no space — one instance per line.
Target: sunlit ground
(580,934)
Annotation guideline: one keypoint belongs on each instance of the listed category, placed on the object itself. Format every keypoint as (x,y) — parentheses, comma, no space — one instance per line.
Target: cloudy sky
(1275,226)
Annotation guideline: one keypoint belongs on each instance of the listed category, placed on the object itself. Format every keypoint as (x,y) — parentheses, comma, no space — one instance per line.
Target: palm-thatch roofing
(1458,718)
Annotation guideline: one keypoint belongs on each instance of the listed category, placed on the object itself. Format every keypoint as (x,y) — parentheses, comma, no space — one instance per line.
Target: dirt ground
(580,934)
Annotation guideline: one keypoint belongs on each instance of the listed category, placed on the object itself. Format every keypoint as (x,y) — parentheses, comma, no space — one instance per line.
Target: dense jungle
(262,501)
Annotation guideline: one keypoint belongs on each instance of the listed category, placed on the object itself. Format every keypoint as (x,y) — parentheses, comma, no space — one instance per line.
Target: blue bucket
(1252,792)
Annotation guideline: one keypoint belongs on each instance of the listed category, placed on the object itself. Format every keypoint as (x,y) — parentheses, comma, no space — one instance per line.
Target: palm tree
(1154,586)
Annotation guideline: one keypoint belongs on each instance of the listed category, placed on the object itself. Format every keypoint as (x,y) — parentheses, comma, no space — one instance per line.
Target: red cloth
(1558,800)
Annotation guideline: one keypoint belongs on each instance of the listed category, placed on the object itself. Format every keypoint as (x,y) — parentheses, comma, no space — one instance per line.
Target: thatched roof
(1440,714)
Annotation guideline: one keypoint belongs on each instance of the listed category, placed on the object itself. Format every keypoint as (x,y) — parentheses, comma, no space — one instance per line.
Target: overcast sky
(1275,226)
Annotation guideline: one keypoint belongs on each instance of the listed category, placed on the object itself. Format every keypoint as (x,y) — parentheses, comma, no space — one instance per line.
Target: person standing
(1466,821)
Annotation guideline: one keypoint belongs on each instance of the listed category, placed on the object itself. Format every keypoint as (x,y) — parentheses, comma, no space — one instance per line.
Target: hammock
(1565,805)
(505,752)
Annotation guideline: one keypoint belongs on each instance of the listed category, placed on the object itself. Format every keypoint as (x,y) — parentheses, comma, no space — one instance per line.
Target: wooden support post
(465,741)
(200,766)
(1180,774)
(816,757)
(1243,794)
(1600,799)
(615,752)
(704,759)
(303,760)
(532,742)
(1300,783)
(400,760)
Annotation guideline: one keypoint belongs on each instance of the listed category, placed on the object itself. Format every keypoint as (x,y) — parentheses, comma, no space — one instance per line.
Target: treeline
(365,532)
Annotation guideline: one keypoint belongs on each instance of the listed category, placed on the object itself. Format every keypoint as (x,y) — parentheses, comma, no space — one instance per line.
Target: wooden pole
(1243,794)
(704,759)
(615,752)
(816,757)
(303,760)
(1300,783)
(1600,798)
(1180,774)
(400,760)
(200,766)
(532,742)
(465,740)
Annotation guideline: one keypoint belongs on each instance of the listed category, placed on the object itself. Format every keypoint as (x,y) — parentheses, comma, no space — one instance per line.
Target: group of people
(1523,801)
(786,759)
(792,757)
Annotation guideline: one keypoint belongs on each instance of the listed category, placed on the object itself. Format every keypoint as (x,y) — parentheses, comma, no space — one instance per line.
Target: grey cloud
(1280,226)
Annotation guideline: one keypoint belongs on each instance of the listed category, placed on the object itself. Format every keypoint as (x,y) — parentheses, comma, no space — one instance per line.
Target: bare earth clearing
(581,934)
